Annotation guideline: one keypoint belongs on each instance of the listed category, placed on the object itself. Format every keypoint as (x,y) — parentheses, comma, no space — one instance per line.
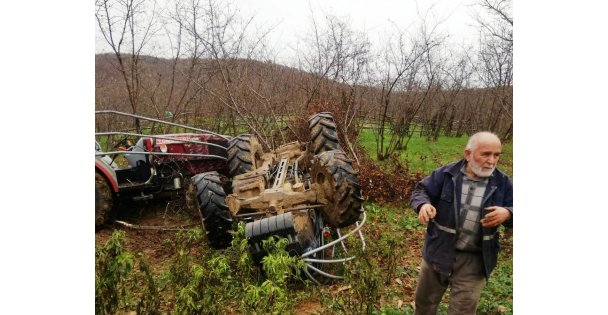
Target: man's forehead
(491,146)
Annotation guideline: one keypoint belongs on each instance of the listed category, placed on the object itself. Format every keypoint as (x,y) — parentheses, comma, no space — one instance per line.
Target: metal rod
(337,240)
(323,246)
(333,250)
(155,227)
(160,153)
(310,276)
(329,275)
(114,133)
(304,207)
(361,236)
(329,261)
(343,245)
(294,209)
(159,121)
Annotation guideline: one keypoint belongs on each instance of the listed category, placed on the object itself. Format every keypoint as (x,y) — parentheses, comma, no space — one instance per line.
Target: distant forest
(414,83)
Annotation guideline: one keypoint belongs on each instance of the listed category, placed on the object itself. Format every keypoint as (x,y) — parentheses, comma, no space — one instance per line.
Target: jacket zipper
(455,202)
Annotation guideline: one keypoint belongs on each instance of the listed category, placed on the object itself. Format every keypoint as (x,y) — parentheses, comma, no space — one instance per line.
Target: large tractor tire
(213,209)
(103,200)
(244,154)
(281,225)
(323,134)
(333,171)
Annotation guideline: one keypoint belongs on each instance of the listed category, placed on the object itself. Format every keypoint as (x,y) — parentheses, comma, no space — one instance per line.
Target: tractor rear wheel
(333,171)
(213,209)
(103,200)
(323,134)
(244,154)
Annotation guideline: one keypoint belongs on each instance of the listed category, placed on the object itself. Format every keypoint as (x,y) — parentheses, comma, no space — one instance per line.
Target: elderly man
(463,203)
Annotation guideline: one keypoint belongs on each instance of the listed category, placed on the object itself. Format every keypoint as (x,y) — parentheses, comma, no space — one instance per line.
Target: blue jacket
(443,189)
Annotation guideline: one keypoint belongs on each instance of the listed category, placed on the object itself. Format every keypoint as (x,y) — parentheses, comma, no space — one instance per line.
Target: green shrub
(205,292)
(113,270)
(149,302)
(391,250)
(271,296)
(362,284)
(118,284)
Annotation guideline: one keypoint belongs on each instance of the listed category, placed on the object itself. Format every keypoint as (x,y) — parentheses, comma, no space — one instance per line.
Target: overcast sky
(290,20)
(375,18)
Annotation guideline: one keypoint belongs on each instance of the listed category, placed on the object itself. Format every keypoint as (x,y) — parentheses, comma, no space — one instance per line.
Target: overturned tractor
(305,192)
(144,166)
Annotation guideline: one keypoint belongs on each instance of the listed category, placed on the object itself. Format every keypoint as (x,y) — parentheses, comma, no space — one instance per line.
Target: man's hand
(496,216)
(427,212)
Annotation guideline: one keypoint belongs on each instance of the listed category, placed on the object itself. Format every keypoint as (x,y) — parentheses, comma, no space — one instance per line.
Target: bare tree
(175,90)
(453,79)
(402,62)
(409,70)
(127,27)
(221,45)
(495,61)
(499,24)
(338,56)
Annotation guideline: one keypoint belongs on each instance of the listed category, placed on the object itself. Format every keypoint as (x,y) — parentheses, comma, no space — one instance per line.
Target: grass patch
(425,156)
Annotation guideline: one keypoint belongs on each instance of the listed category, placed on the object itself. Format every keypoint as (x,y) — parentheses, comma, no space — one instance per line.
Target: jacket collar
(454,170)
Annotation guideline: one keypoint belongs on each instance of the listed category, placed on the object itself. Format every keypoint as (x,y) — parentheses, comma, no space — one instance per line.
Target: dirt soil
(143,237)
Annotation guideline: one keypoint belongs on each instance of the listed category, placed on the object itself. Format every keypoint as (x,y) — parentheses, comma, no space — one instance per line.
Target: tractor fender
(108,172)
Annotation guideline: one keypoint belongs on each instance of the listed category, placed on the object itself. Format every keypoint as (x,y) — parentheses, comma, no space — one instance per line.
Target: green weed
(118,284)
(205,291)
(497,296)
(272,296)
(113,270)
(149,302)
(362,285)
(391,249)
(178,274)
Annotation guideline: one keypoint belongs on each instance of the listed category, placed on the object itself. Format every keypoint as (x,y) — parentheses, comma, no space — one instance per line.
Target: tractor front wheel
(323,134)
(213,210)
(338,182)
(244,154)
(103,200)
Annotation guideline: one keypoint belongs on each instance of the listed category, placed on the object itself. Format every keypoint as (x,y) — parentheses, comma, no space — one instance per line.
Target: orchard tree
(338,58)
(495,61)
(127,26)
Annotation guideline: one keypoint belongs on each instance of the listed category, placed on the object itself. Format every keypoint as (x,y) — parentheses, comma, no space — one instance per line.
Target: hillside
(239,88)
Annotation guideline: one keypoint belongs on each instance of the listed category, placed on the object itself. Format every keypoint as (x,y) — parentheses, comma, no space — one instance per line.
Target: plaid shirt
(468,232)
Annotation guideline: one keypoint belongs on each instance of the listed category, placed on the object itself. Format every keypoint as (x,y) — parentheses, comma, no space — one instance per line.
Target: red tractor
(305,192)
(143,167)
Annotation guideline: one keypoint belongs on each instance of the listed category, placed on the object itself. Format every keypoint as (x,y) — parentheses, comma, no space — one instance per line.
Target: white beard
(477,170)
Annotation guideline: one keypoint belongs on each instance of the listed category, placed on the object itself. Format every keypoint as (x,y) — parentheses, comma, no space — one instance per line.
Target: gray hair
(472,144)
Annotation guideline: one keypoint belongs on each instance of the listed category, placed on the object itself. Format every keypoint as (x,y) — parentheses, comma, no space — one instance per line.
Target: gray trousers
(466,282)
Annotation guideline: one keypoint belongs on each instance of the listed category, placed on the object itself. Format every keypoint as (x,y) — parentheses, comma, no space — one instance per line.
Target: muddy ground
(149,226)
(156,222)
(153,222)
